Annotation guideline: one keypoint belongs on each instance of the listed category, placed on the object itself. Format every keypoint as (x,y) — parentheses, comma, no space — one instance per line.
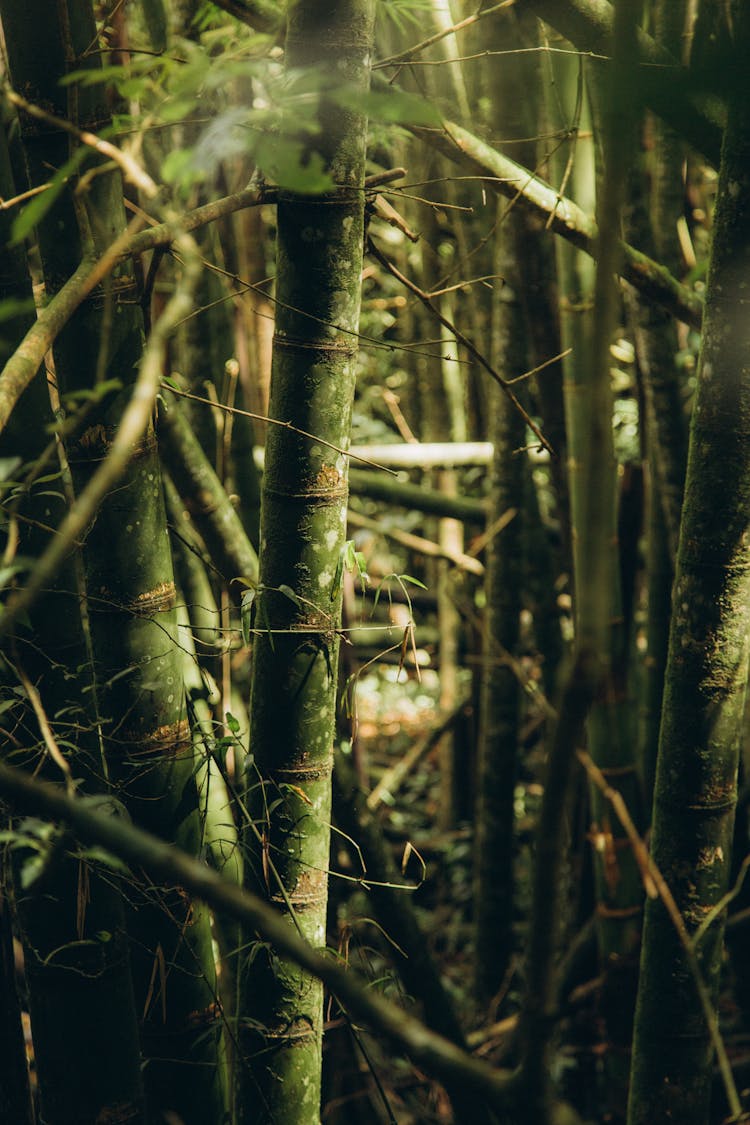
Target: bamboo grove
(375,587)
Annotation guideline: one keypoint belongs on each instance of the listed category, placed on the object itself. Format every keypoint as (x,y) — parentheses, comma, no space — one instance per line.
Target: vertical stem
(298,605)
(707,668)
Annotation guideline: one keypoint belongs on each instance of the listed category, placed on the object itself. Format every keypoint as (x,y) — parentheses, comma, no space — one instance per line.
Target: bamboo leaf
(394,107)
(37,208)
(101,855)
(247,613)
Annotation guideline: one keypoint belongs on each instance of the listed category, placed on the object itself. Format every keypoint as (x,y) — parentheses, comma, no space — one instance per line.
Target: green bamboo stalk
(299,599)
(540,1003)
(707,667)
(588,304)
(588,23)
(127,564)
(193,579)
(261,15)
(500,706)
(245,477)
(88,1062)
(505,176)
(653,224)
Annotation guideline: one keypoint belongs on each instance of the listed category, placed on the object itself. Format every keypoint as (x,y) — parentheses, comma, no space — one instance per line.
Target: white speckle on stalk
(332,537)
(324,579)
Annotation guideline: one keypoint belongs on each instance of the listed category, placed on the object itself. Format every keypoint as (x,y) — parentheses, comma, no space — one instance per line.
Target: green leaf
(32,870)
(414,581)
(394,108)
(37,208)
(96,854)
(92,394)
(232,723)
(178,168)
(247,613)
(13,307)
(403,13)
(288,592)
(10,571)
(8,465)
(292,165)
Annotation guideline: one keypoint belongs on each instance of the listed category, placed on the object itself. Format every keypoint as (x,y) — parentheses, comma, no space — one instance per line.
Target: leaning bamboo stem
(561,215)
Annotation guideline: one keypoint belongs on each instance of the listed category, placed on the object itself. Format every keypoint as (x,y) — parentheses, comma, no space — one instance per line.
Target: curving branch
(92,820)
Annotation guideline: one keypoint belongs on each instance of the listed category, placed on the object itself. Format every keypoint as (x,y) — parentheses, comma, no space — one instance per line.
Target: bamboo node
(169,740)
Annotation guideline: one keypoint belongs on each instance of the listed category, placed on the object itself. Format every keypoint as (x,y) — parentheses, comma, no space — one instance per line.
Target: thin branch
(28,356)
(276,422)
(393,778)
(656,884)
(468,344)
(6,204)
(129,167)
(50,741)
(417,543)
(405,56)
